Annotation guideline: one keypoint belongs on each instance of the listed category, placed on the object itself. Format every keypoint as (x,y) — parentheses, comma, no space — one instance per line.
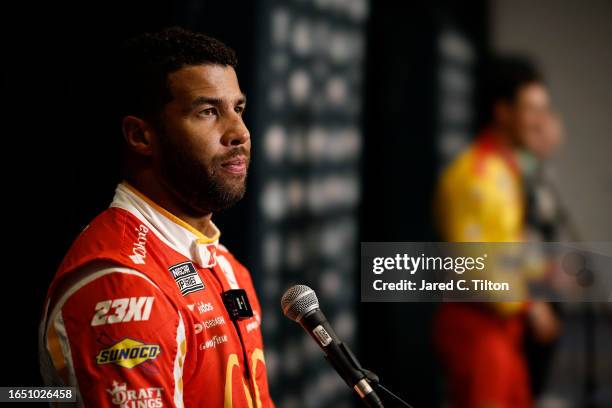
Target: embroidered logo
(139,249)
(187,278)
(128,353)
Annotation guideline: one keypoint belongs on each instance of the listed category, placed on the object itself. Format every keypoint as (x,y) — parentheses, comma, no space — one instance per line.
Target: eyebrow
(204,100)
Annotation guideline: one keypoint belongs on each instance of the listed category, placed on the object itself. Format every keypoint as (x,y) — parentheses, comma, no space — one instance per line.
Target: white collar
(173,231)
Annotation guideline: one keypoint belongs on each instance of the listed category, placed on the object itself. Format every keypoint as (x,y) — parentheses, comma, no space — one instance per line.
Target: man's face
(203,150)
(529,117)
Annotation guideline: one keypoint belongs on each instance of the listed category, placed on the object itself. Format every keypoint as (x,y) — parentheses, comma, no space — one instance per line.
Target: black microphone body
(339,356)
(300,304)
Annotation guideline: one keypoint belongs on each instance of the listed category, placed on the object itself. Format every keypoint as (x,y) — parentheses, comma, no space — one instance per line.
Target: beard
(202,187)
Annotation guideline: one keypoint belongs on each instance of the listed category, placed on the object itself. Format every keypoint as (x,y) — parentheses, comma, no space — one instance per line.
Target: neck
(503,137)
(150,186)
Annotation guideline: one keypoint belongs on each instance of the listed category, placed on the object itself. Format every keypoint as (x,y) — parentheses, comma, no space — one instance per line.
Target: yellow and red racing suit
(480,199)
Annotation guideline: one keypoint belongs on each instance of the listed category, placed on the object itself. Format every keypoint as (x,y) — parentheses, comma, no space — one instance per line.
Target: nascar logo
(128,353)
(186,277)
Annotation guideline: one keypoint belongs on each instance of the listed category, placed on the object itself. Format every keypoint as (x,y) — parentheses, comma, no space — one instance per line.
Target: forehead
(534,92)
(215,81)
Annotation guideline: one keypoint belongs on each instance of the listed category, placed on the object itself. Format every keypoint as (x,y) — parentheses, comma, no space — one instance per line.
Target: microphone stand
(372,378)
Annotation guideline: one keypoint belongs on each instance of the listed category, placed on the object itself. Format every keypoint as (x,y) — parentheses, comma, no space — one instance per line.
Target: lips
(235,165)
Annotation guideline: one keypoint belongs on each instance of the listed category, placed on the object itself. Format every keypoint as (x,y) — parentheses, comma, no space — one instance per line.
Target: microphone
(300,304)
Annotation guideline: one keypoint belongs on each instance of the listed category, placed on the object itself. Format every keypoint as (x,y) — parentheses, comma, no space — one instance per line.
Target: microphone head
(297,301)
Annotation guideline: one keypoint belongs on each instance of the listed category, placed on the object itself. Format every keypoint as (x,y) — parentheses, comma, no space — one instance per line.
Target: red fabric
(487,143)
(215,372)
(482,354)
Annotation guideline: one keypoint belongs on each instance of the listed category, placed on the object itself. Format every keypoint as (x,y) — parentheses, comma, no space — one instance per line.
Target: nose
(236,132)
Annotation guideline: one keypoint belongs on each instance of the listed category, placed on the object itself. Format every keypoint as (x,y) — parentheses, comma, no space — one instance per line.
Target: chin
(234,186)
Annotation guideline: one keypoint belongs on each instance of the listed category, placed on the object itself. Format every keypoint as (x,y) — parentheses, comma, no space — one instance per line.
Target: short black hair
(503,77)
(145,62)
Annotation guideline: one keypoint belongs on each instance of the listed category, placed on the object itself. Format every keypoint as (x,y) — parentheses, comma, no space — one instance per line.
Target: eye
(239,109)
(208,112)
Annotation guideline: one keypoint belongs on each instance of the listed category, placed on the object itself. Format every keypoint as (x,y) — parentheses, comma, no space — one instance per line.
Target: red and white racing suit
(135,318)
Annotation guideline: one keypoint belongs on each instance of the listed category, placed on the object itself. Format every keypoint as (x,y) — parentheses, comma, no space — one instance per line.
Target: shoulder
(115,236)
(475,167)
(228,262)
(102,307)
(458,174)
(227,259)
(104,294)
(226,254)
(100,279)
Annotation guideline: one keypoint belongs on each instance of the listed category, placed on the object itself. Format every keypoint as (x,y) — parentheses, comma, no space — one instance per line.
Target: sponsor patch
(139,248)
(201,307)
(213,342)
(138,397)
(186,277)
(122,310)
(128,353)
(207,324)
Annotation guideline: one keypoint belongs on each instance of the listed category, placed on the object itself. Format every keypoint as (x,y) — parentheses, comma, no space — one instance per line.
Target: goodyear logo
(128,353)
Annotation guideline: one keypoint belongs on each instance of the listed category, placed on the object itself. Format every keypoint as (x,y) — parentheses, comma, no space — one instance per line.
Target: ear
(138,134)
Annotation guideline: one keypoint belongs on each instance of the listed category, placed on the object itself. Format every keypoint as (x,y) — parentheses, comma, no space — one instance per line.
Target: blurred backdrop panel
(306,182)
(421,73)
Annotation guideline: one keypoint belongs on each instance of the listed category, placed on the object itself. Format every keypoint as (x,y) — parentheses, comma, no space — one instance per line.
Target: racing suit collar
(173,231)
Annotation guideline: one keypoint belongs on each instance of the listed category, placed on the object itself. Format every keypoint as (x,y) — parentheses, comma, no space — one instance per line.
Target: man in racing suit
(147,308)
(480,198)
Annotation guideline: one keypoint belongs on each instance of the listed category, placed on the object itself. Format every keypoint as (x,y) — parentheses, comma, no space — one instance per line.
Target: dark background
(61,145)
(60,159)
(61,150)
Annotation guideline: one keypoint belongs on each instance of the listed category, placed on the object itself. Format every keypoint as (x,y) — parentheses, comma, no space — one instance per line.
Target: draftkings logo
(133,398)
(128,353)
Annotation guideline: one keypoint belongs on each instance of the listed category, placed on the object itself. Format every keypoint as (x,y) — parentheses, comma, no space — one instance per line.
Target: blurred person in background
(482,197)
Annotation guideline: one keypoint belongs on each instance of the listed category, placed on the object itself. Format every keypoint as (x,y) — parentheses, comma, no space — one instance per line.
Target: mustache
(235,152)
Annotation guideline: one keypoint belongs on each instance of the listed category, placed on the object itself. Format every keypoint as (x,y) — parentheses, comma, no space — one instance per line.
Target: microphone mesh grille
(297,301)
